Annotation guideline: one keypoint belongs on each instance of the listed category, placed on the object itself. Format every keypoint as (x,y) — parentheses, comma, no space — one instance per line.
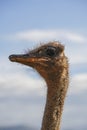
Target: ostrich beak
(26,59)
(23,59)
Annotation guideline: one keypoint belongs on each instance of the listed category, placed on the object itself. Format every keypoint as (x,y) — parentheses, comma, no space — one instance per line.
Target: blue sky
(30,14)
(24,24)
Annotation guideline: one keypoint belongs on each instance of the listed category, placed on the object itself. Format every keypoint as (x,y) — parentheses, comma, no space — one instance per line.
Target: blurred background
(24,24)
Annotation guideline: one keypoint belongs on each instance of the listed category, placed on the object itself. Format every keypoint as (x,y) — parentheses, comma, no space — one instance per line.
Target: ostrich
(51,63)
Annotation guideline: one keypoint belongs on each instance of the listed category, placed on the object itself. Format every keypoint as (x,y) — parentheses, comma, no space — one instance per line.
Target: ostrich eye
(50,51)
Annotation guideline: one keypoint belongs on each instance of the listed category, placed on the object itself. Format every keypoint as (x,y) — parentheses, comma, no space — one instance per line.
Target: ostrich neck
(56,92)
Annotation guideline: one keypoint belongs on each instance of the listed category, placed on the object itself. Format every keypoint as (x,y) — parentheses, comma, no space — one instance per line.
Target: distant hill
(31,128)
(17,128)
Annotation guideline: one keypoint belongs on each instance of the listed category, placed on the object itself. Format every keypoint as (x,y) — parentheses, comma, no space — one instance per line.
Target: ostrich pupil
(50,52)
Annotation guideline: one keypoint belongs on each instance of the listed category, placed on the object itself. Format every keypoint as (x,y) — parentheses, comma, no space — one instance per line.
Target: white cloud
(20,83)
(78,84)
(45,35)
(77,58)
(75,37)
(15,81)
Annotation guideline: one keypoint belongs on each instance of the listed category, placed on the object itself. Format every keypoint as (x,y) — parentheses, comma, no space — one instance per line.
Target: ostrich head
(48,59)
